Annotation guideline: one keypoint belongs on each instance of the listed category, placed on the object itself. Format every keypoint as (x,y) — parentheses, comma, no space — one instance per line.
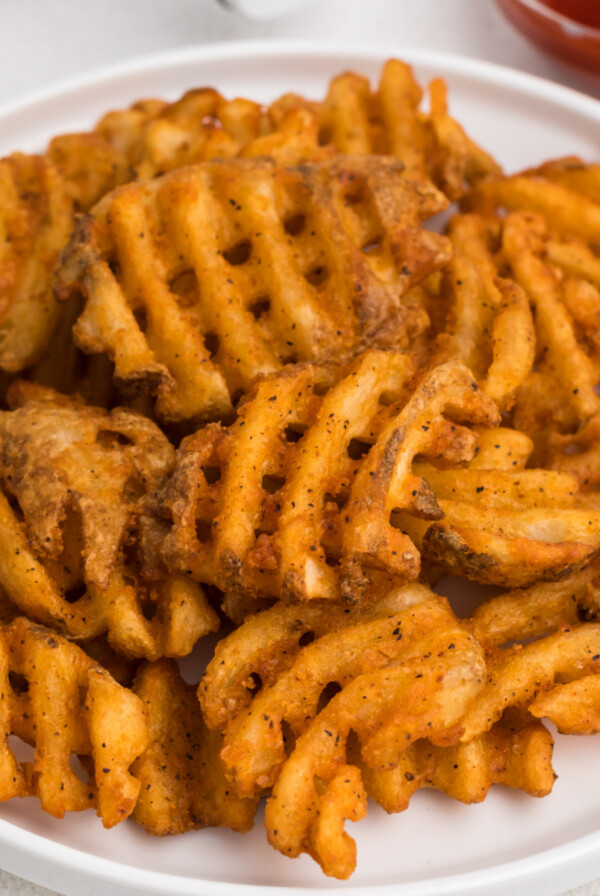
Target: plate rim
(138,879)
(454,63)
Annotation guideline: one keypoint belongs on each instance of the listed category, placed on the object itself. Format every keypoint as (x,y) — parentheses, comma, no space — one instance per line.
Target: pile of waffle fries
(248,387)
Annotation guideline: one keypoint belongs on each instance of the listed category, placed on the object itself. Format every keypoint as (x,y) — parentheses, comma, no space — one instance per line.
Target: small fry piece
(516,752)
(538,610)
(519,673)
(573,707)
(183,787)
(566,211)
(528,525)
(45,680)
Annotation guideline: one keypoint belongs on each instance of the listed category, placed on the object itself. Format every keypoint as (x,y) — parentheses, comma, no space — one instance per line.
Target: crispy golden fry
(36,218)
(516,752)
(387,710)
(567,212)
(538,610)
(183,787)
(455,161)
(573,173)
(357,120)
(386,485)
(516,675)
(506,545)
(561,392)
(284,246)
(59,457)
(360,641)
(153,137)
(527,525)
(75,475)
(489,326)
(242,662)
(264,509)
(573,707)
(58,700)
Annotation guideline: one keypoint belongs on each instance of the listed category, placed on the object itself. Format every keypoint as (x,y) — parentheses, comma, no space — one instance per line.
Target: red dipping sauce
(569,29)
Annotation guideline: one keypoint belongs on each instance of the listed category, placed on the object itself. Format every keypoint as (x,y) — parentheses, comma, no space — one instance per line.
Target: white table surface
(47,40)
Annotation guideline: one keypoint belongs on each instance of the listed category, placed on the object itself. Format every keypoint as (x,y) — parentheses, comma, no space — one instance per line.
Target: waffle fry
(488,324)
(516,752)
(59,701)
(258,509)
(387,710)
(74,475)
(527,527)
(285,247)
(183,787)
(36,219)
(550,241)
(566,210)
(254,748)
(519,673)
(356,119)
(561,392)
(153,136)
(538,610)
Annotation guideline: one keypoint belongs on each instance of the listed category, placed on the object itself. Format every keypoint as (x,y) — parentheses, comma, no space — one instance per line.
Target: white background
(43,41)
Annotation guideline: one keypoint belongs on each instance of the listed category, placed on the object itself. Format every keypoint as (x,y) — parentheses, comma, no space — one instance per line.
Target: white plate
(511,842)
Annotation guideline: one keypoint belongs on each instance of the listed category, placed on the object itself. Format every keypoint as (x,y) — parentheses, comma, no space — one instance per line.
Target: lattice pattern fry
(296,497)
(36,218)
(198,282)
(516,752)
(58,700)
(183,786)
(153,136)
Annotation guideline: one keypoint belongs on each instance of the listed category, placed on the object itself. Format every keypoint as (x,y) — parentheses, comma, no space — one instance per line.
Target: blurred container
(569,29)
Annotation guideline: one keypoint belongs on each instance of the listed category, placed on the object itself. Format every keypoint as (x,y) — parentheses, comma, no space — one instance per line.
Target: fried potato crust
(57,699)
(284,247)
(36,219)
(183,787)
(72,476)
(298,497)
